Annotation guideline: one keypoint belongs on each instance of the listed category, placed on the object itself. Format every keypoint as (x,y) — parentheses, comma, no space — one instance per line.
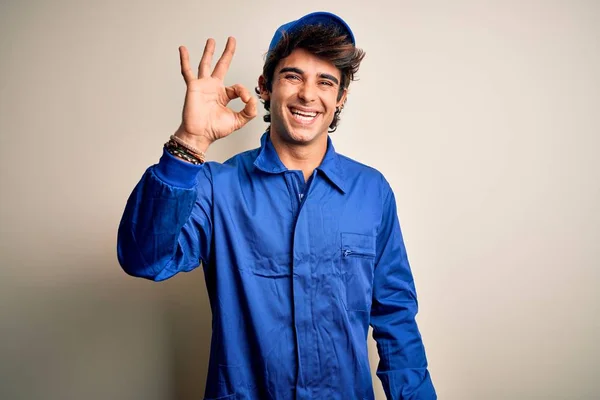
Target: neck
(301,157)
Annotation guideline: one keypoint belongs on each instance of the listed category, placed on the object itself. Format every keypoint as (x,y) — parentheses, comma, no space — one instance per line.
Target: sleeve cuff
(175,172)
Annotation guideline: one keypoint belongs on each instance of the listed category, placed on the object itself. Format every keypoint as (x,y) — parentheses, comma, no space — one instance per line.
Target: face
(304,97)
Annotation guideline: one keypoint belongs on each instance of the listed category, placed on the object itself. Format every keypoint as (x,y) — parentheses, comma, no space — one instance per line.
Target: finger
(223,63)
(207,55)
(184,61)
(249,110)
(235,91)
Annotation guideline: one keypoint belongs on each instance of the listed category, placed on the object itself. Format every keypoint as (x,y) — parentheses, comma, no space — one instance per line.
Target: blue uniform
(295,271)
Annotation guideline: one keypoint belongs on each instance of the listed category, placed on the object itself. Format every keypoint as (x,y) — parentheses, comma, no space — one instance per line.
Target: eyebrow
(300,72)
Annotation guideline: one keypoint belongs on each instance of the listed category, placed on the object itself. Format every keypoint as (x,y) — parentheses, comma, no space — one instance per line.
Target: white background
(483,115)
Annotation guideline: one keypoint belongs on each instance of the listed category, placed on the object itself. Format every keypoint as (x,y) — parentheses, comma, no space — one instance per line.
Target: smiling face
(304,97)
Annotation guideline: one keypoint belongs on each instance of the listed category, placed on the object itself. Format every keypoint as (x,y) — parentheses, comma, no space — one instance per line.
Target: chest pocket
(357,264)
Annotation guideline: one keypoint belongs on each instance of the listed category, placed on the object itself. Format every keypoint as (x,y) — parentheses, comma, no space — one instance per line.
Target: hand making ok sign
(206,117)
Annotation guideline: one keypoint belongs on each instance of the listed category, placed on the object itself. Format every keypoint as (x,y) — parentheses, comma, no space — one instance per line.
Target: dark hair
(326,42)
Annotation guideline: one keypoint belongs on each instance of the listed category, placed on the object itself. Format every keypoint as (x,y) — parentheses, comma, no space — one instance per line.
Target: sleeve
(166,226)
(402,367)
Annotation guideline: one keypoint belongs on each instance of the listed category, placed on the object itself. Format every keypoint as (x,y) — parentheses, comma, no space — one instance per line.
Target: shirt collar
(268,161)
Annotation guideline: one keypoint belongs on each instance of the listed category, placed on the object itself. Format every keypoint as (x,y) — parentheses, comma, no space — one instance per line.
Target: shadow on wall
(122,338)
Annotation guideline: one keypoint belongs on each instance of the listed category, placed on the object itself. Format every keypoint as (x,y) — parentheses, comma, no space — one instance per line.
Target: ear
(342,100)
(262,87)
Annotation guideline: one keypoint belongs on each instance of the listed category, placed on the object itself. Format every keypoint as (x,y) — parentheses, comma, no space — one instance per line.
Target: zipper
(348,253)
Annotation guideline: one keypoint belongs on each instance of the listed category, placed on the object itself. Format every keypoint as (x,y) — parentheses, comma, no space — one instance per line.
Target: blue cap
(316,18)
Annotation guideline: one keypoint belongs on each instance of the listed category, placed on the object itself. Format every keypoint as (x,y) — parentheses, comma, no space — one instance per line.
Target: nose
(307,92)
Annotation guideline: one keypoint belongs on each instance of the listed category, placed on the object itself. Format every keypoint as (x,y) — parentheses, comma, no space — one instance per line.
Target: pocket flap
(356,242)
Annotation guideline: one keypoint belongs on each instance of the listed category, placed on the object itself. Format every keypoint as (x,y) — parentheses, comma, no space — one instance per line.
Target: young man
(301,246)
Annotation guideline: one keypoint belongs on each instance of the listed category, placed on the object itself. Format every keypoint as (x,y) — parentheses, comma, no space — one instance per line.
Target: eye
(292,77)
(326,83)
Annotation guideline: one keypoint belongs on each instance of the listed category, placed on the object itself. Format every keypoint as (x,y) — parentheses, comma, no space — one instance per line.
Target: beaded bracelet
(187,146)
(181,153)
(175,148)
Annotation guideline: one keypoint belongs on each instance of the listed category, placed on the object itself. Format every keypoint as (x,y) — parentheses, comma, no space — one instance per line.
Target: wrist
(178,147)
(201,143)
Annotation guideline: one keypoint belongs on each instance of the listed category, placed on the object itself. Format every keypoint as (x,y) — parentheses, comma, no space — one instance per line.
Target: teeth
(304,114)
(303,118)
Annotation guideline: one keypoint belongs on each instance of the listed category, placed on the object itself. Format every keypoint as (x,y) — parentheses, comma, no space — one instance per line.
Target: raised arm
(166,227)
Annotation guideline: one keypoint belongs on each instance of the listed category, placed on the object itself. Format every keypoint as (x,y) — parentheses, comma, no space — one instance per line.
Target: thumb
(249,111)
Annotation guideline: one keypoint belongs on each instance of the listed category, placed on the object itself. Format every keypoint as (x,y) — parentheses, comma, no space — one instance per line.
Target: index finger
(223,64)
